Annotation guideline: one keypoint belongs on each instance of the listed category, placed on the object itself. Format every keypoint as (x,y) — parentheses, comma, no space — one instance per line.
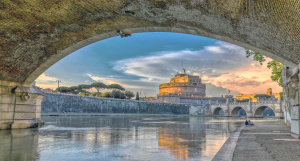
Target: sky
(141,62)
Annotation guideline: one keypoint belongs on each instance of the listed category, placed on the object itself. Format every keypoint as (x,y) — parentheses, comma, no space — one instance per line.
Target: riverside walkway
(266,140)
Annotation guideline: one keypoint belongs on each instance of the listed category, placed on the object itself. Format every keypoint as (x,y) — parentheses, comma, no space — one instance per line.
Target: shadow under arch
(219,112)
(259,111)
(193,31)
(236,111)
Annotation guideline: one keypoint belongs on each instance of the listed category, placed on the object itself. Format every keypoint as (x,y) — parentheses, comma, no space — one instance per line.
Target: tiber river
(78,138)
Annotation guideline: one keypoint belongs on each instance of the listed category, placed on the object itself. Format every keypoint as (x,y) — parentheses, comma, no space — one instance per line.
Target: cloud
(45,79)
(111,80)
(212,61)
(222,65)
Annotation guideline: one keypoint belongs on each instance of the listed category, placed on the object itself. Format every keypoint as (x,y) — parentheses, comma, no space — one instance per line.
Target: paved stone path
(267,141)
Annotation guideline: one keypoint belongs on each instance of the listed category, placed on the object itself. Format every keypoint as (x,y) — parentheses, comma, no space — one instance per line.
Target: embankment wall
(75,103)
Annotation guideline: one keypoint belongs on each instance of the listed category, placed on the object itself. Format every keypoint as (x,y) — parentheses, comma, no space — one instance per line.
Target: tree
(94,94)
(262,96)
(137,96)
(106,94)
(276,68)
(281,95)
(74,89)
(82,89)
(256,56)
(116,86)
(118,94)
(129,94)
(83,86)
(98,86)
(274,65)
(63,89)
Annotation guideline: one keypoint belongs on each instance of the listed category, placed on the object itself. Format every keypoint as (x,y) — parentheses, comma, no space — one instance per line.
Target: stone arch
(219,111)
(236,110)
(32,46)
(259,111)
(60,55)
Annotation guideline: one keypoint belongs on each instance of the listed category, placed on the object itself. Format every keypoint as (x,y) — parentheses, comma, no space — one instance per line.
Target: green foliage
(281,95)
(276,68)
(94,94)
(83,86)
(256,56)
(274,65)
(129,94)
(244,100)
(81,90)
(118,94)
(82,94)
(63,89)
(137,96)
(106,94)
(262,96)
(98,85)
(116,86)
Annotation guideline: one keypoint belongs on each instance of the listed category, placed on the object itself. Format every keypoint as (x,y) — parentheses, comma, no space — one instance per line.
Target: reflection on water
(118,138)
(19,144)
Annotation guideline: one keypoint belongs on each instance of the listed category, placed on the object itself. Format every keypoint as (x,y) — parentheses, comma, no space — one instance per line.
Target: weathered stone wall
(34,36)
(203,110)
(74,103)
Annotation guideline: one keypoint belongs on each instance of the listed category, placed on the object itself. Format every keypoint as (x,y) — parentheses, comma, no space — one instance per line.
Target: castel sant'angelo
(183,85)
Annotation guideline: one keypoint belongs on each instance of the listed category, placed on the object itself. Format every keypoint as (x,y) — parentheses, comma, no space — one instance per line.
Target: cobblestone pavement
(266,141)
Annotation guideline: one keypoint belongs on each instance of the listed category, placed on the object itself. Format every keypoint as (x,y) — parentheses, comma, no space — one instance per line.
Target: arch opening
(238,111)
(264,111)
(197,32)
(219,112)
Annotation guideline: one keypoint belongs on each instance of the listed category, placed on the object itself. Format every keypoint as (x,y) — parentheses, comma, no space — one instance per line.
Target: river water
(118,138)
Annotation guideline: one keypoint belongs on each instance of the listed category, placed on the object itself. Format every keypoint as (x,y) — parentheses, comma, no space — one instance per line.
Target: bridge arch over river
(252,109)
(34,36)
(236,111)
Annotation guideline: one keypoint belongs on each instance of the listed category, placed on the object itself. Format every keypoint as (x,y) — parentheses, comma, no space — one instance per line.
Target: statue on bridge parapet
(291,86)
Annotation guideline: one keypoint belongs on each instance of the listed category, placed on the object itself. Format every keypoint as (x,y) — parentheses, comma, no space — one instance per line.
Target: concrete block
(7,99)
(31,101)
(295,112)
(4,126)
(26,108)
(20,124)
(295,126)
(6,116)
(24,116)
(6,107)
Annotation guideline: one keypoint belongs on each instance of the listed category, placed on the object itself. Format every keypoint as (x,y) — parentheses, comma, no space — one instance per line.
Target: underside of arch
(219,112)
(31,44)
(236,111)
(193,31)
(259,111)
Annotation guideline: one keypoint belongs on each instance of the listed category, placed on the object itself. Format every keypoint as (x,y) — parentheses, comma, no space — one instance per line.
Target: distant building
(255,97)
(151,99)
(183,85)
(47,90)
(185,88)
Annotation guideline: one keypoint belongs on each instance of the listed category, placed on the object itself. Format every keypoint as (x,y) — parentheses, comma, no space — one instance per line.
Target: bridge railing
(261,102)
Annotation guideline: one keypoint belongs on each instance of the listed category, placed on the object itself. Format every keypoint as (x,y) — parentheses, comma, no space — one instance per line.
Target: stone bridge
(34,36)
(252,109)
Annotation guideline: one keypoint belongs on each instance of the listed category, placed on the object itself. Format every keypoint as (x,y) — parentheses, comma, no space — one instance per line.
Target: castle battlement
(183,84)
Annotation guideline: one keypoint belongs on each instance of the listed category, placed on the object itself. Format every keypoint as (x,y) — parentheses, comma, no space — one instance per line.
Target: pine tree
(137,96)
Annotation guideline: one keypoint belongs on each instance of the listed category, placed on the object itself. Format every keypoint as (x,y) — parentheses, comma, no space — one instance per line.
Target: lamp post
(58,81)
